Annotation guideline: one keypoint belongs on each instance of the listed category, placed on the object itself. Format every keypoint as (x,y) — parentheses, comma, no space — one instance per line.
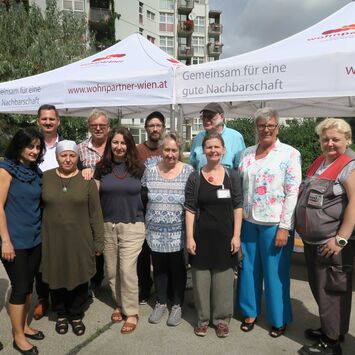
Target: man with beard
(149,154)
(90,153)
(213,120)
(48,121)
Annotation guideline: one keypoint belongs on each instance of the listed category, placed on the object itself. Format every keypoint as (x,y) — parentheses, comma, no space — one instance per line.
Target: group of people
(68,211)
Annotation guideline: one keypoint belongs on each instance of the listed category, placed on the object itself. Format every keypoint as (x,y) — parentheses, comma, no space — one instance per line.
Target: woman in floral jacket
(271,175)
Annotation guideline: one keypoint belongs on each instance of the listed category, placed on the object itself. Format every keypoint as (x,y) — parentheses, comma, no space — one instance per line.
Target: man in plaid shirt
(90,152)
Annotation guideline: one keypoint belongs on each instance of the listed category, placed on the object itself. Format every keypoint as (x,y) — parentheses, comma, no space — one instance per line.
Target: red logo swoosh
(340,29)
(109,56)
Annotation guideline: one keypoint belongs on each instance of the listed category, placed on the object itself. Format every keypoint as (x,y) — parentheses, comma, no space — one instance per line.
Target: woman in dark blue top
(20,229)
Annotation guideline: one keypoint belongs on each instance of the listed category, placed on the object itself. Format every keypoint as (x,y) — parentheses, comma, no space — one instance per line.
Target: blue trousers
(265,262)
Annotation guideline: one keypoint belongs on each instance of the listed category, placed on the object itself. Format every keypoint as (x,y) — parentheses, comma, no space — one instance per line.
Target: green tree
(33,42)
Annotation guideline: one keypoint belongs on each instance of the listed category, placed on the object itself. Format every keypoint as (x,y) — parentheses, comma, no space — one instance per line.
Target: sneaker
(201,330)
(157,314)
(174,316)
(143,301)
(321,348)
(316,334)
(222,330)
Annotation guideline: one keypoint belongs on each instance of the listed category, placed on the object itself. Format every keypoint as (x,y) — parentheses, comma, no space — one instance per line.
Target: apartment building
(188,30)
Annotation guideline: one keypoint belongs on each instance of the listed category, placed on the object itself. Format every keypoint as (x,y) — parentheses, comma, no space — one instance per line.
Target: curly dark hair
(22,139)
(105,166)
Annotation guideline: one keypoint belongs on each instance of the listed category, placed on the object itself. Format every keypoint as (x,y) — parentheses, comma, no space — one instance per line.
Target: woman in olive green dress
(72,230)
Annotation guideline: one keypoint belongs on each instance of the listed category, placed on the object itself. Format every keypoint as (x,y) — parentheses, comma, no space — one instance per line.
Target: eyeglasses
(208,116)
(100,126)
(152,126)
(270,127)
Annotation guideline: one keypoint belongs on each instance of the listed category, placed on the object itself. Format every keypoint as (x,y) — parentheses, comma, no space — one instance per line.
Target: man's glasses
(152,126)
(263,127)
(208,116)
(100,126)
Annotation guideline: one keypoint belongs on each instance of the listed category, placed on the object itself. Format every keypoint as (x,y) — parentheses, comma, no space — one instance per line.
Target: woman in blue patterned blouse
(165,230)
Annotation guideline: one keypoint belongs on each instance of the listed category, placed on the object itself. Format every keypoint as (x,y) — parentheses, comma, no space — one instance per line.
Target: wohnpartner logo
(336,33)
(110,58)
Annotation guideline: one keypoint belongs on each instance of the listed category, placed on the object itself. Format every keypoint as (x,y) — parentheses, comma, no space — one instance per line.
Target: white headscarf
(66,145)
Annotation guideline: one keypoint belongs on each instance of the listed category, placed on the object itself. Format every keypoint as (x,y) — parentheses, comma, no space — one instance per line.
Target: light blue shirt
(233,142)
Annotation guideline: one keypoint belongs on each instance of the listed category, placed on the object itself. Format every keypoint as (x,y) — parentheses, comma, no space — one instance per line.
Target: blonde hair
(176,138)
(95,113)
(339,124)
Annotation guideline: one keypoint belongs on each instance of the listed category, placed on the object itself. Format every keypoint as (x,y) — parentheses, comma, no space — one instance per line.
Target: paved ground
(103,338)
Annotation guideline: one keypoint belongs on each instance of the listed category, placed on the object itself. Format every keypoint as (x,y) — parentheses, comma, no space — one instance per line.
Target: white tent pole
(172,118)
(180,122)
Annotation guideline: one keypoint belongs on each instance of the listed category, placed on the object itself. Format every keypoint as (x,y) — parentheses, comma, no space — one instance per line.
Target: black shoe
(316,334)
(32,351)
(1,346)
(37,336)
(321,348)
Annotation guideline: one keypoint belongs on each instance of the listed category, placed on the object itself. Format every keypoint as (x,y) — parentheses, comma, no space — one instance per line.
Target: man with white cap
(213,119)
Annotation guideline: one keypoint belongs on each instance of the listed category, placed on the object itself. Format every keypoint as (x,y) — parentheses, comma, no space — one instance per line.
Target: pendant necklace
(65,186)
(210,179)
(120,177)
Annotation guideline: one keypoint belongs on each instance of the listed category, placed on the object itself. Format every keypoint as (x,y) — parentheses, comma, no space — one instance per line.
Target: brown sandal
(116,316)
(129,327)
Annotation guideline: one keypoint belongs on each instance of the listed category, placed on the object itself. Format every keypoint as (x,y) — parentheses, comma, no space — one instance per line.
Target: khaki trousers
(123,243)
(213,295)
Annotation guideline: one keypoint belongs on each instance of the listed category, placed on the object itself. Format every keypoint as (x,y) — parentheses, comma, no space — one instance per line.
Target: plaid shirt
(88,155)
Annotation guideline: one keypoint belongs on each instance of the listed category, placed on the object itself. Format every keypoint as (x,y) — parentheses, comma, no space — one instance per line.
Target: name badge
(315,199)
(223,193)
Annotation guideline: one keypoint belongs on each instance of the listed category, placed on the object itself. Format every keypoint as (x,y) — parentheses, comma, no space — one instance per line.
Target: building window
(140,12)
(198,43)
(166,4)
(167,44)
(166,22)
(141,31)
(150,15)
(199,24)
(151,39)
(74,5)
(198,60)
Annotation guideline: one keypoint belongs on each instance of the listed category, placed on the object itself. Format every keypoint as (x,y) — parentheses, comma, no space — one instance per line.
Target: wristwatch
(341,242)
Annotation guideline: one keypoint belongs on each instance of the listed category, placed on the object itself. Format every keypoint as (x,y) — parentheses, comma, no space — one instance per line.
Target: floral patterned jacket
(274,184)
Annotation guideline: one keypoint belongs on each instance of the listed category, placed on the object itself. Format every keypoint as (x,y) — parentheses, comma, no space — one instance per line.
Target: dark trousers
(330,280)
(169,268)
(21,272)
(145,281)
(42,288)
(97,279)
(70,304)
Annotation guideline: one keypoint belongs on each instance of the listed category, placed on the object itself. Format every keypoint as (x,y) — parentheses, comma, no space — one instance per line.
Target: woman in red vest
(325,219)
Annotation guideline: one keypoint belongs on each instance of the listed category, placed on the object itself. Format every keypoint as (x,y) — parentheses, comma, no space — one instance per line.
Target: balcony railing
(214,49)
(185,27)
(185,52)
(99,17)
(185,6)
(215,29)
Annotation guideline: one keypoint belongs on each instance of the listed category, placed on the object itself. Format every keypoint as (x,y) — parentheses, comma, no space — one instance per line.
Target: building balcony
(185,6)
(185,52)
(215,29)
(185,28)
(214,49)
(99,18)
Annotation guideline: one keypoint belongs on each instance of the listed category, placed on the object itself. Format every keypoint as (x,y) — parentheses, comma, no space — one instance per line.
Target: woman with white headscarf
(72,230)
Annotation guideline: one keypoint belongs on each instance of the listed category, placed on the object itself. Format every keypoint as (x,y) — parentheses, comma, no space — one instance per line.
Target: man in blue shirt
(213,119)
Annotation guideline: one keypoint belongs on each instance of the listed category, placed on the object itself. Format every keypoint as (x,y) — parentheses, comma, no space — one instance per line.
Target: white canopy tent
(311,73)
(133,76)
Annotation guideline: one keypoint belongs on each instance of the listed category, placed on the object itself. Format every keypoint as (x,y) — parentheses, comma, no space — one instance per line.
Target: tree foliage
(33,42)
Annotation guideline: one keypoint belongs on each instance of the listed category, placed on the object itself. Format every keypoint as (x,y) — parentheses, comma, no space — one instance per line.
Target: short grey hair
(95,113)
(266,113)
(177,139)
